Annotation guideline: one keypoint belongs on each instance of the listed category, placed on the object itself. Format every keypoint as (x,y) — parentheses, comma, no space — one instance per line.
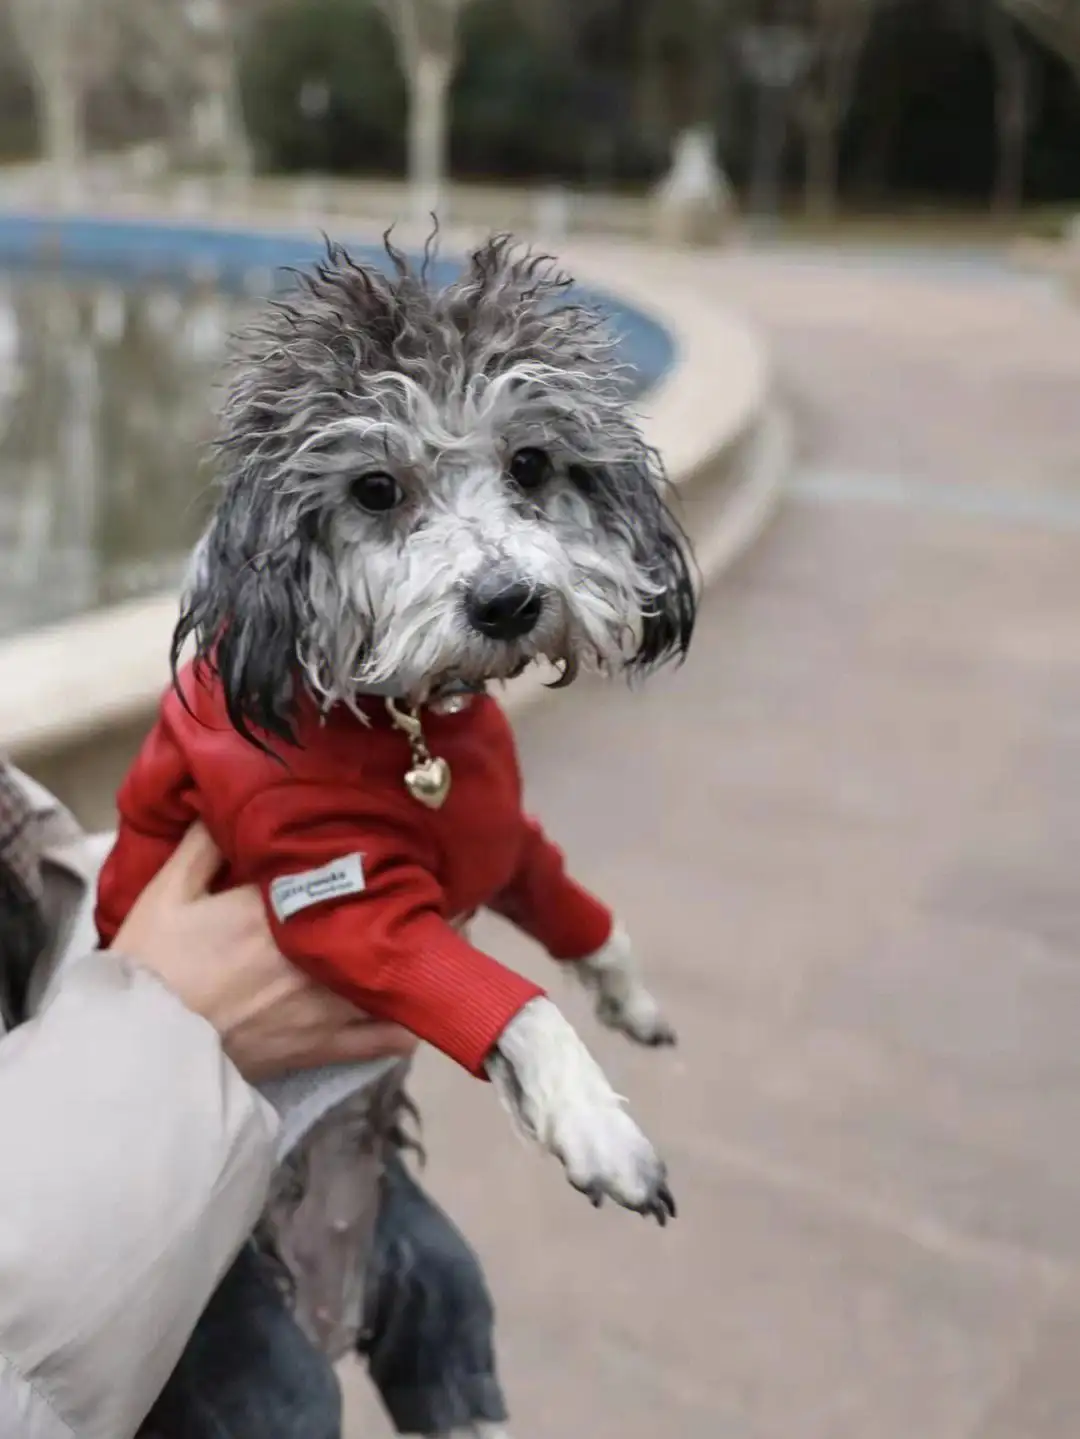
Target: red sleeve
(545,903)
(155,806)
(386,946)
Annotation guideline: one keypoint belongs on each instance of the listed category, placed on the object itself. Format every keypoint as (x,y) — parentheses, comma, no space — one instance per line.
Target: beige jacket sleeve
(134,1161)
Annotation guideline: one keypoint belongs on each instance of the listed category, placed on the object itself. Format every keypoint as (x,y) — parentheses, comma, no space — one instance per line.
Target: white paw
(622,1001)
(605,1154)
(561,1097)
(637,1015)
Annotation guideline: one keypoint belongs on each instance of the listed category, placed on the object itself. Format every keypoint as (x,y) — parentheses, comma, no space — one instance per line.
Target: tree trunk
(1056,23)
(1011,114)
(238,158)
(871,178)
(821,179)
(60,121)
(768,155)
(1009,179)
(428,130)
(232,150)
(841,38)
(216,135)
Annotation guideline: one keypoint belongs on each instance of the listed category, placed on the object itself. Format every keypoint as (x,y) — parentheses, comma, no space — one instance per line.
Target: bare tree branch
(1056,23)
(1012,102)
(185,54)
(837,30)
(68,46)
(180,52)
(423,26)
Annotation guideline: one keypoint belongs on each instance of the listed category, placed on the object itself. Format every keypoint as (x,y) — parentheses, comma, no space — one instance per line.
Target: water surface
(106,397)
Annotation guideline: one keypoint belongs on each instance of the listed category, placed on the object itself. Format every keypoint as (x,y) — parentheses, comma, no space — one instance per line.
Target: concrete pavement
(845,836)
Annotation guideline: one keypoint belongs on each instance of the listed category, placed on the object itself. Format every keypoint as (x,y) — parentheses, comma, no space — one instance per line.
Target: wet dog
(424,491)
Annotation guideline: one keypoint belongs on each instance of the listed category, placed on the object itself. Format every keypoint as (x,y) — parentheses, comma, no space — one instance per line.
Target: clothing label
(293,892)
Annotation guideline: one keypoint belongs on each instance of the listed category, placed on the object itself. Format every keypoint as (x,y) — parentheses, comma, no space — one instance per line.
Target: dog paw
(560,1097)
(606,1156)
(621,1000)
(637,1015)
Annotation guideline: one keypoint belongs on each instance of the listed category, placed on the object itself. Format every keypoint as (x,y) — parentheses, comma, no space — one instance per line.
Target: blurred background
(951,125)
(839,240)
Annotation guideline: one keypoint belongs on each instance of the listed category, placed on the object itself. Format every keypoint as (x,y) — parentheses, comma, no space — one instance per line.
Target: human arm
(136,1157)
(136,1160)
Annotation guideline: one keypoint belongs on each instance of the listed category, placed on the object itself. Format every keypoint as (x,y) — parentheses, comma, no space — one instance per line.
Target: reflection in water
(105,408)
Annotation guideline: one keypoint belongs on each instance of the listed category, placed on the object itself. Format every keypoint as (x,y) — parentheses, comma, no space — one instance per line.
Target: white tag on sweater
(293,892)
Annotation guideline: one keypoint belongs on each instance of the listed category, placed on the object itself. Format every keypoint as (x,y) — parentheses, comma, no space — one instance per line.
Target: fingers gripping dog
(423,491)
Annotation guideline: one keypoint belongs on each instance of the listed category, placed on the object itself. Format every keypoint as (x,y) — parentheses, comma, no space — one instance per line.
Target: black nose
(503,609)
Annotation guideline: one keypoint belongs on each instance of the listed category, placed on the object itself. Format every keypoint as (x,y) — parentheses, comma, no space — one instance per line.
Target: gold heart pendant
(429,782)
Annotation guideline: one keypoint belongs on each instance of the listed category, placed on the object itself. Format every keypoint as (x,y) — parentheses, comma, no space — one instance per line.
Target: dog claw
(593,1192)
(663,1206)
(646,1027)
(658,1202)
(662,1038)
(659,1206)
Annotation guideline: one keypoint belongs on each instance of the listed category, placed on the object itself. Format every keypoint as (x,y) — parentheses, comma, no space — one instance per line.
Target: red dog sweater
(362,883)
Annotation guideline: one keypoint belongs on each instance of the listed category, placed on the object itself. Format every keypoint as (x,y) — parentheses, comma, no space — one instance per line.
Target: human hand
(216,953)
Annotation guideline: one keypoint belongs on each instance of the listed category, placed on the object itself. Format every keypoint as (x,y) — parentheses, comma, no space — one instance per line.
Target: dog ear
(244,608)
(662,549)
(669,617)
(631,498)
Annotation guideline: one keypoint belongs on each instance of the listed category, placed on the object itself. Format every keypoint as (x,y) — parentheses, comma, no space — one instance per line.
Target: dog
(424,492)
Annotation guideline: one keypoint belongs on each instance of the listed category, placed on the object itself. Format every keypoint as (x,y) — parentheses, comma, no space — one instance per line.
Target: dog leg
(621,999)
(560,1097)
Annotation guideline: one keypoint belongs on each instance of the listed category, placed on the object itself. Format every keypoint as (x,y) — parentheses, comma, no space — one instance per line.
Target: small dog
(425,491)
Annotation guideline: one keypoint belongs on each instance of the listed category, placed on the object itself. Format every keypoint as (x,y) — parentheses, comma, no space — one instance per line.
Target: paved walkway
(847,834)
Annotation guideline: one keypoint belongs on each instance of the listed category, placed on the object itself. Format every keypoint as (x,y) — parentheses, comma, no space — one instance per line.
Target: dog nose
(502,608)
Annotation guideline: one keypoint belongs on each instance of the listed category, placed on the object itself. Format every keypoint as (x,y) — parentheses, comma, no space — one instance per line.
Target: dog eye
(529,468)
(377,492)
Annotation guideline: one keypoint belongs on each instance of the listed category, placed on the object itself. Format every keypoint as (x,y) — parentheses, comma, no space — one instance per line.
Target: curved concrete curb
(76,697)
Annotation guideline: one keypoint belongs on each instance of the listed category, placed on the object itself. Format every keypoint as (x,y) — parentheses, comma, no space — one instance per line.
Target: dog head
(426,486)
